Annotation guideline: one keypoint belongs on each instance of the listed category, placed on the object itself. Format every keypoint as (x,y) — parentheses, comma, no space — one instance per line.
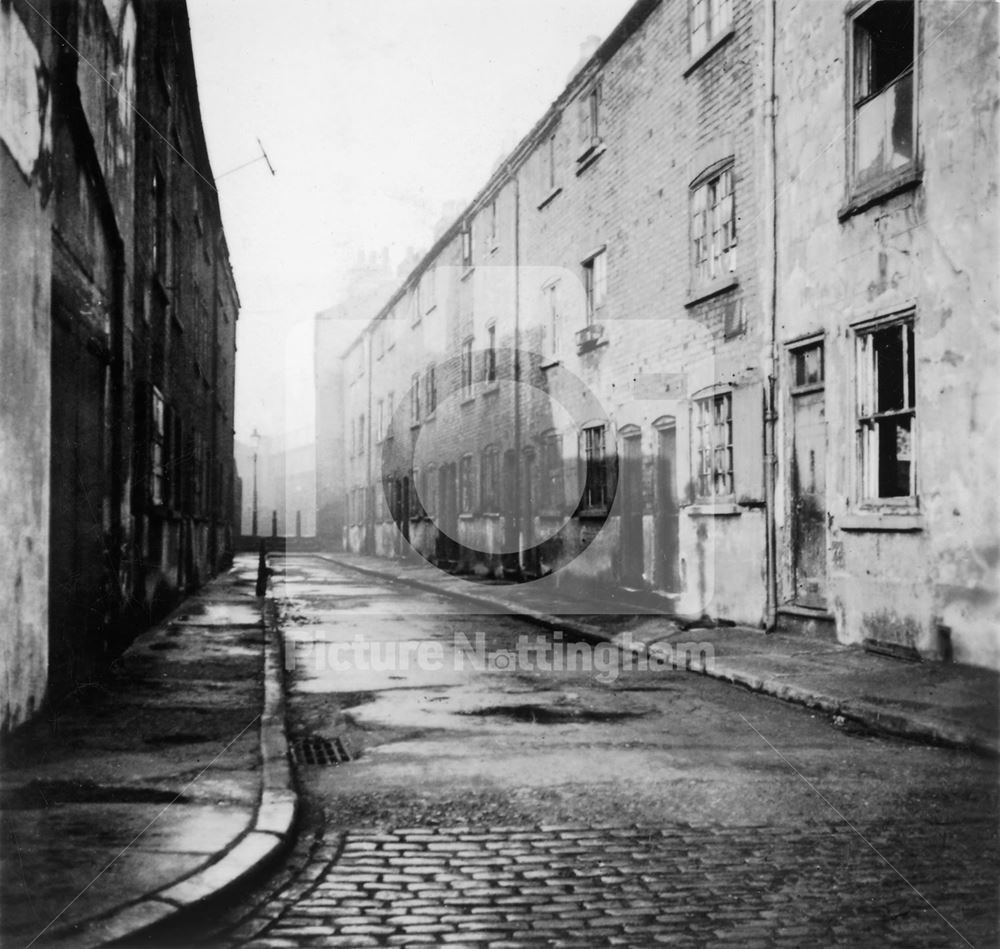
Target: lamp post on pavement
(256,445)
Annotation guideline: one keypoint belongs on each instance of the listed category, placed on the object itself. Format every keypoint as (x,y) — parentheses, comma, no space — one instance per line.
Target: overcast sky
(376,114)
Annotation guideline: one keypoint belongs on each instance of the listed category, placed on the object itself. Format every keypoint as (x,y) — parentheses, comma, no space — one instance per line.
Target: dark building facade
(122,313)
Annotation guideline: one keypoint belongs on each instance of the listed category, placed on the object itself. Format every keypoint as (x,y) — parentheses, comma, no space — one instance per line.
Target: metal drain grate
(315,749)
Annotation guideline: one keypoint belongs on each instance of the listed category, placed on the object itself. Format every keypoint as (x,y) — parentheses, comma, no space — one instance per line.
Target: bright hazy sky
(375,115)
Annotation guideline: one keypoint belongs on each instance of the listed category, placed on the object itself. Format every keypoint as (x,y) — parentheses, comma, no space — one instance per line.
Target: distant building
(721,328)
(118,348)
(286,484)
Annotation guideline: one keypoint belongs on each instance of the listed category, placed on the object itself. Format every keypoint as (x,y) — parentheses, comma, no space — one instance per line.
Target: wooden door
(632,552)
(667,513)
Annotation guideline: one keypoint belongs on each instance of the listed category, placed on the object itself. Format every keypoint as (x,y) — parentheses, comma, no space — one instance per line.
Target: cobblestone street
(643,812)
(629,886)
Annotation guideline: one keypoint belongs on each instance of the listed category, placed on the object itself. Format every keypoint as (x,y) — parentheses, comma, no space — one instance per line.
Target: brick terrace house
(569,382)
(118,339)
(689,299)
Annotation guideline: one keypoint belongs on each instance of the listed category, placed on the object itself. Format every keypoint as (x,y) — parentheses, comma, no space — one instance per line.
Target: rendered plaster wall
(24,369)
(928,579)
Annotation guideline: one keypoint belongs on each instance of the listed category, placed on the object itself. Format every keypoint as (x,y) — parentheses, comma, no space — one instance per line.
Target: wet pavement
(139,780)
(499,797)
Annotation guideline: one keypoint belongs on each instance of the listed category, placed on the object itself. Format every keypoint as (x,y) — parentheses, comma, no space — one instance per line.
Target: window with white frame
(882,130)
(714,455)
(886,398)
(380,421)
(710,20)
(595,281)
(713,226)
(590,109)
(415,311)
(467,367)
(389,409)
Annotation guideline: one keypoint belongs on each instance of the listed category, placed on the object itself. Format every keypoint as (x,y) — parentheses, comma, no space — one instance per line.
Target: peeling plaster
(23,94)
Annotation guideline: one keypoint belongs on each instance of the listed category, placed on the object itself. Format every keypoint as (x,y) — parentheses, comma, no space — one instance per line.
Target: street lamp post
(256,445)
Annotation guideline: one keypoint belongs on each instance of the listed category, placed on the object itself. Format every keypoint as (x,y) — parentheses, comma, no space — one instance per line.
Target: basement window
(886,394)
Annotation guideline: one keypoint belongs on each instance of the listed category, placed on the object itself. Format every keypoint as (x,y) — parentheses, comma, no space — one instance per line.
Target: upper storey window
(882,133)
(713,226)
(710,21)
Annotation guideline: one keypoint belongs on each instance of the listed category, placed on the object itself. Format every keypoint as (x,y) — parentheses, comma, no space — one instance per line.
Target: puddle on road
(553,714)
(220,614)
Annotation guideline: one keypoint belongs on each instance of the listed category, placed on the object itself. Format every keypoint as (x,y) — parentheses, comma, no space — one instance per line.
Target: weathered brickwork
(701,227)
(616,185)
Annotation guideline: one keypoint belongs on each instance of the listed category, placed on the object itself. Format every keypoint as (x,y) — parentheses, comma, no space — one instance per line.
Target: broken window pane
(887,411)
(883,88)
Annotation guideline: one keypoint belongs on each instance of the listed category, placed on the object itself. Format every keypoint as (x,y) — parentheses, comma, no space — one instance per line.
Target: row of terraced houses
(721,328)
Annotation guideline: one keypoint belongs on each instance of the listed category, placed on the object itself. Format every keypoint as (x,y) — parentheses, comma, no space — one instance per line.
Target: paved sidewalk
(136,801)
(950,704)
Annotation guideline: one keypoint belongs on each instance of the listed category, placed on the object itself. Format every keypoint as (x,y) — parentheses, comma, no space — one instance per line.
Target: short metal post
(262,570)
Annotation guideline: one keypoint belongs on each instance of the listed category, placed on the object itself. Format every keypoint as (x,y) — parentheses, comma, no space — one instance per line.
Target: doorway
(808,477)
(632,550)
(667,509)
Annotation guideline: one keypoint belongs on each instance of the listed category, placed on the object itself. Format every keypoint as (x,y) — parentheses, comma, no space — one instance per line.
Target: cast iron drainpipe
(770,409)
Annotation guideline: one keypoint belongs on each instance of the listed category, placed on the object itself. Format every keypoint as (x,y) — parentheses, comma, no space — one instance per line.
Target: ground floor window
(714,428)
(465,484)
(596,491)
(490,478)
(886,410)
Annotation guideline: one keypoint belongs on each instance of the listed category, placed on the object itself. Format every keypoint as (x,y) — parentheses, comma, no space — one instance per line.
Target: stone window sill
(698,58)
(708,290)
(589,157)
(550,197)
(860,199)
(549,364)
(714,509)
(908,522)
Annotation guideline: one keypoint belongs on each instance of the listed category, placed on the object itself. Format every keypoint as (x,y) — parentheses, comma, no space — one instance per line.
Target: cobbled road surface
(524,806)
